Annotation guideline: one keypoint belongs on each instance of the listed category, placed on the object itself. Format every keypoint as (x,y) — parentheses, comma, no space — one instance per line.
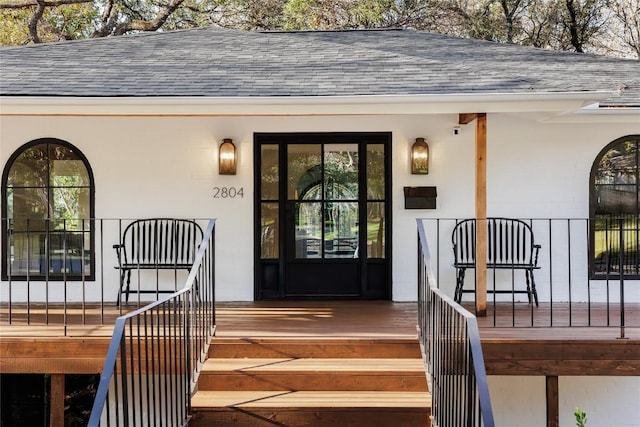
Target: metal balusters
(452,353)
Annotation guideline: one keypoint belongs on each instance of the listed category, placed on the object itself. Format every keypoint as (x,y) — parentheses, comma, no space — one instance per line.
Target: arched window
(614,208)
(47,208)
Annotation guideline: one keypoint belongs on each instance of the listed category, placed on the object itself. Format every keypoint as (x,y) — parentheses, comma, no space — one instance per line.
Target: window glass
(308,230)
(269,234)
(30,168)
(614,208)
(375,172)
(341,230)
(375,230)
(269,169)
(48,189)
(341,171)
(304,163)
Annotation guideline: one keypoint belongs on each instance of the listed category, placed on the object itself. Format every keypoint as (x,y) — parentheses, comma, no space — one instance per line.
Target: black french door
(322,213)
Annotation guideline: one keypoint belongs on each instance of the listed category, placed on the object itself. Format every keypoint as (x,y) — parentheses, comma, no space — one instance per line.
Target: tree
(512,11)
(41,21)
(475,19)
(496,20)
(335,14)
(52,20)
(248,14)
(625,26)
(582,20)
(599,26)
(541,25)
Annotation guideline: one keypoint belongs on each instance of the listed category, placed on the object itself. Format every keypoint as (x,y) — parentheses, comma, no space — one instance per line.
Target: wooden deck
(561,350)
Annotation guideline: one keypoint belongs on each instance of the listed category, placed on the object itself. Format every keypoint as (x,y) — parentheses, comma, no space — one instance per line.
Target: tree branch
(38,3)
(33,22)
(150,25)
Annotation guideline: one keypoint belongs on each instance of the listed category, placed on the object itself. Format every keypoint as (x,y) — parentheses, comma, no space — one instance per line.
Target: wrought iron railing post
(621,276)
(9,262)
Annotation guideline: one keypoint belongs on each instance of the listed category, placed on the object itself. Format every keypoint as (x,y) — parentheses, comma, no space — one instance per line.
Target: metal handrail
(156,352)
(452,352)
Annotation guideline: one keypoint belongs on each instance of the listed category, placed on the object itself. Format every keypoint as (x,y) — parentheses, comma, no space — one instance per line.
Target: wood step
(311,408)
(313,374)
(312,381)
(307,347)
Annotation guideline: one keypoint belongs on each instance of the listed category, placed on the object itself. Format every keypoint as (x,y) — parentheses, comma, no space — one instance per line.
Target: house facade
(323,125)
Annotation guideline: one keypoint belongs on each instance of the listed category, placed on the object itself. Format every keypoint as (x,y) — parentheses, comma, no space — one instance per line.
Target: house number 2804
(227,192)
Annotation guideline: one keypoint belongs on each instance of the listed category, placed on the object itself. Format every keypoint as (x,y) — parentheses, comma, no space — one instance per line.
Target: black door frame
(381,269)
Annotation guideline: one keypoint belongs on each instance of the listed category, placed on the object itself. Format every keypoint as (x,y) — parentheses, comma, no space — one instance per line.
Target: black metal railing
(452,351)
(66,272)
(577,277)
(156,352)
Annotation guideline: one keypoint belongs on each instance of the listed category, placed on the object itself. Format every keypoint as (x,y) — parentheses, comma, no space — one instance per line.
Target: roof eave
(559,102)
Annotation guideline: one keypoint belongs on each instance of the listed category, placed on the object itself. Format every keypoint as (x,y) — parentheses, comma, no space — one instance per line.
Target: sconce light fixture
(420,157)
(227,158)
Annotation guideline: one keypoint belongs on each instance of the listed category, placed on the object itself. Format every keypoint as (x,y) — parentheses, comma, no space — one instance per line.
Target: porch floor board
(338,319)
(508,350)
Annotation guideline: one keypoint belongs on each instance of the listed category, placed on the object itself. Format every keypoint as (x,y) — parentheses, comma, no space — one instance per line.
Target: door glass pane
(341,230)
(341,171)
(270,168)
(304,170)
(375,172)
(269,233)
(375,230)
(308,231)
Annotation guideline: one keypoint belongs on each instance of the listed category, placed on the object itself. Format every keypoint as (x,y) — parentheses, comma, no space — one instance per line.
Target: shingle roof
(230,63)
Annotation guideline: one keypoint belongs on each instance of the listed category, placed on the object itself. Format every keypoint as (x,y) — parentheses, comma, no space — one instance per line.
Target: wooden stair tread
(309,347)
(310,399)
(264,365)
(220,339)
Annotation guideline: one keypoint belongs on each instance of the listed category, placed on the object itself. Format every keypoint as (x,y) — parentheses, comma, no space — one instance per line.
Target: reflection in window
(341,171)
(375,172)
(304,168)
(270,170)
(614,209)
(327,191)
(47,206)
(375,230)
(269,232)
(341,230)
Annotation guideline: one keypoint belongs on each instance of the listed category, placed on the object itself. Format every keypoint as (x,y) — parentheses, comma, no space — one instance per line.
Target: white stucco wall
(166,166)
(607,401)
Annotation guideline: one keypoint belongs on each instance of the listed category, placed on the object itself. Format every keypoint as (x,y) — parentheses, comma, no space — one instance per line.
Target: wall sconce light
(420,157)
(227,158)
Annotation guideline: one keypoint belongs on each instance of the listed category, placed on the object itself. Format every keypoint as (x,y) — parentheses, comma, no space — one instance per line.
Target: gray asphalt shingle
(226,63)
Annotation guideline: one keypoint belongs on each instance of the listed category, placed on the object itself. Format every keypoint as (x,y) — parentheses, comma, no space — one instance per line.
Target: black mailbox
(420,197)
